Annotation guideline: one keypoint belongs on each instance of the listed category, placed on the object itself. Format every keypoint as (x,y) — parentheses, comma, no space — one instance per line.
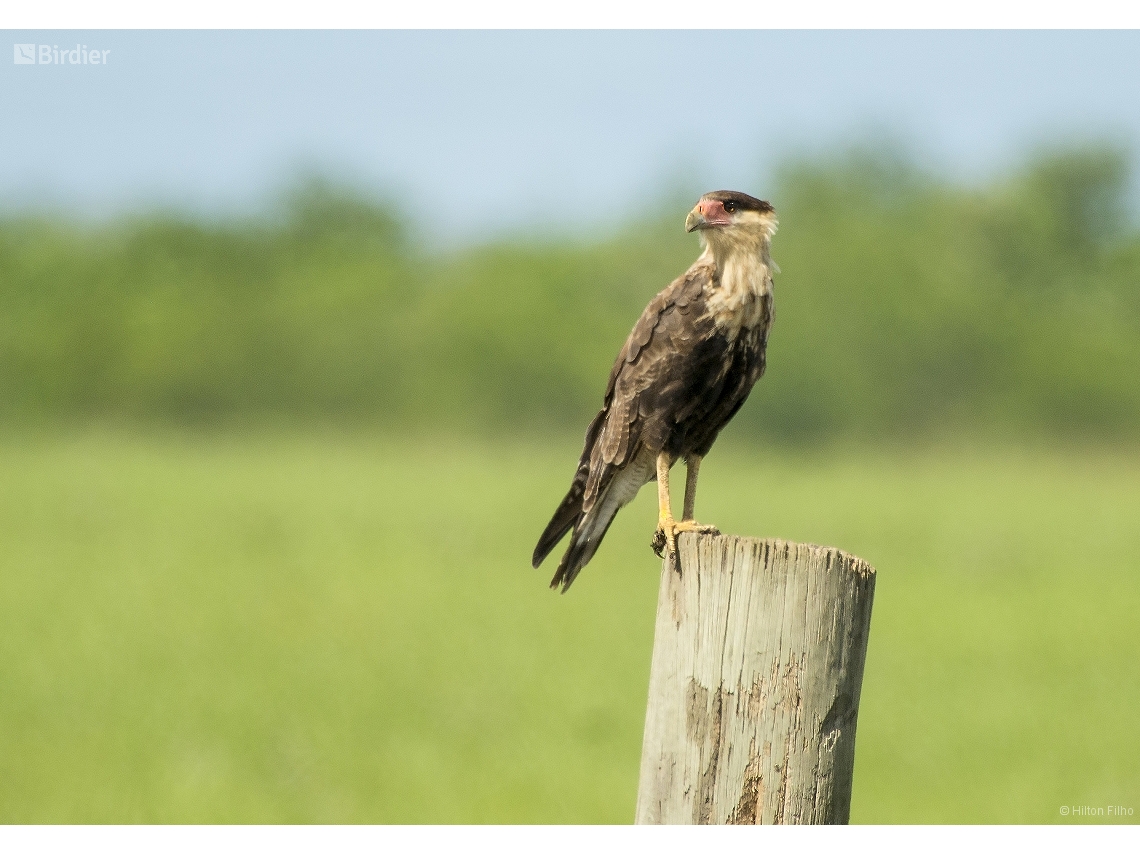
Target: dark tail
(569,516)
(563,520)
(588,531)
(587,537)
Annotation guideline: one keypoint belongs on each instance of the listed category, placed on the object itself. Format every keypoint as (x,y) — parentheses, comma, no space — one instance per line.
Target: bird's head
(730,219)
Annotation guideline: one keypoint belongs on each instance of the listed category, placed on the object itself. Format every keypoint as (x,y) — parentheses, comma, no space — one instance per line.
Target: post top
(789,550)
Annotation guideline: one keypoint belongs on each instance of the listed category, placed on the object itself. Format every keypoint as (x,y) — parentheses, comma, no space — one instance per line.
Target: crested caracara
(684,371)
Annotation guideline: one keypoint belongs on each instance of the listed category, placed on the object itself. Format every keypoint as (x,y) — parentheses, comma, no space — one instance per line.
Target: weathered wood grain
(754,689)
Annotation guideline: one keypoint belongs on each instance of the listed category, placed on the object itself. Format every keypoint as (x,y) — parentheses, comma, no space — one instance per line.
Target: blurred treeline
(906,307)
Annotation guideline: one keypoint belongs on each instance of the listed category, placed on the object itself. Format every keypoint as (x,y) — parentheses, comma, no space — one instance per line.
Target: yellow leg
(692,467)
(667,527)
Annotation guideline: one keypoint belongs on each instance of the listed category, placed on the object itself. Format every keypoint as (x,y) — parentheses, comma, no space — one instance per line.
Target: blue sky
(479,132)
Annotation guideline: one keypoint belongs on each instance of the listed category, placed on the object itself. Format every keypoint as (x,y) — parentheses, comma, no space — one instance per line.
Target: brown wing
(686,382)
(615,434)
(670,329)
(713,408)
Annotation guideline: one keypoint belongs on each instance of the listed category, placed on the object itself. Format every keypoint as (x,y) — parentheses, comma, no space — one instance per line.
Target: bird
(687,367)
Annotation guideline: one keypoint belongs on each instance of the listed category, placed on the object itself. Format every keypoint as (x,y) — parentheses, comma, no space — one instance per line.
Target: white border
(565,840)
(590,14)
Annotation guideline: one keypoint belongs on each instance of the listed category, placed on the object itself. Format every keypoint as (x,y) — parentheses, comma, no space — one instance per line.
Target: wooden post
(754,688)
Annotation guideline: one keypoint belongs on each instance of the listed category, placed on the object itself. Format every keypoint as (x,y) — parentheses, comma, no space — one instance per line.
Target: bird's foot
(667,530)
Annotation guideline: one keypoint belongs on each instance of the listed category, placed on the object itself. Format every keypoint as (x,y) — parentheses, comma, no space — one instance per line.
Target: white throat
(744,265)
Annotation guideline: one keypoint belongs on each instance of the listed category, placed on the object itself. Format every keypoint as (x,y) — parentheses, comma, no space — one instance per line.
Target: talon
(668,529)
(665,537)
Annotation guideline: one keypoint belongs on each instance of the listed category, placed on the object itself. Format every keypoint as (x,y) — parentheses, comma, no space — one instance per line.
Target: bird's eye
(729,207)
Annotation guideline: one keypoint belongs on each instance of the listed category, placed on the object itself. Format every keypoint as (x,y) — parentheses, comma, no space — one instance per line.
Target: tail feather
(587,537)
(563,520)
(569,512)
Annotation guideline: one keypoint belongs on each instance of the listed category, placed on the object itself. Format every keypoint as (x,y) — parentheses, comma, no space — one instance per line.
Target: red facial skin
(714,213)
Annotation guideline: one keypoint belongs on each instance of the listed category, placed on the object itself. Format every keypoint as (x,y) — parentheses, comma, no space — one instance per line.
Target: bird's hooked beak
(707,214)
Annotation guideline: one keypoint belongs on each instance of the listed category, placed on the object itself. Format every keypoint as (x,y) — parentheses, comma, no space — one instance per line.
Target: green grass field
(347,629)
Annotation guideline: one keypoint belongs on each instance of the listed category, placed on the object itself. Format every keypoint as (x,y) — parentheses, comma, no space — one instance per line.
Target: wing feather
(646,375)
